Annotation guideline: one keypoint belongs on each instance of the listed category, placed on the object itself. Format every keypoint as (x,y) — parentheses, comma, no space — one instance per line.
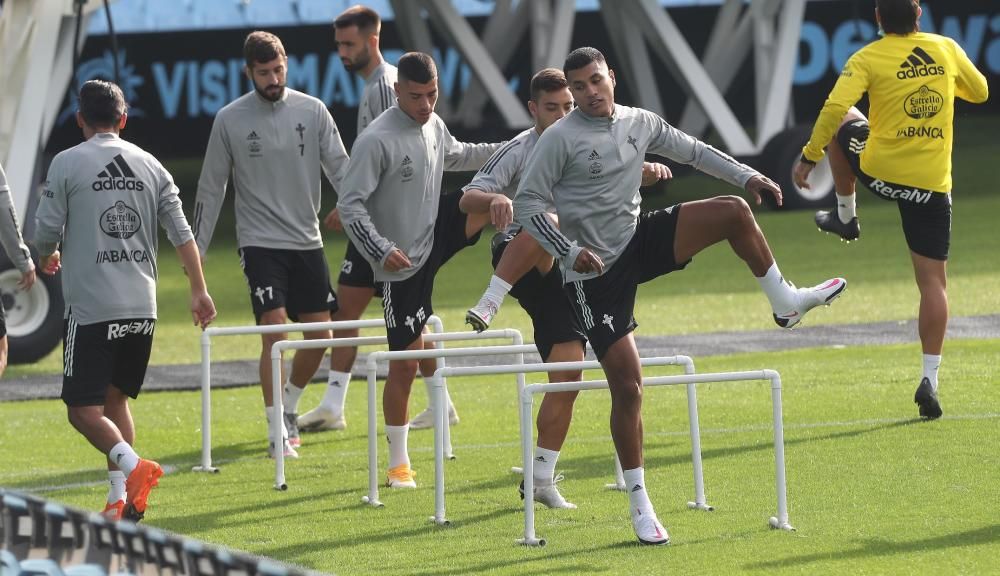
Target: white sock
(931,364)
(290,399)
(544,465)
(269,412)
(846,208)
(124,457)
(779,292)
(497,290)
(336,391)
(396,435)
(635,484)
(117,491)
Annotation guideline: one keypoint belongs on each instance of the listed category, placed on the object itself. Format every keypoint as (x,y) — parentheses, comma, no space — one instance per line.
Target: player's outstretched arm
(202,306)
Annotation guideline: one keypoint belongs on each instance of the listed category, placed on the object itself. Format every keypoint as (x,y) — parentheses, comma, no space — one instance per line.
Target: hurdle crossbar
(438,385)
(442,440)
(278,347)
(206,362)
(527,396)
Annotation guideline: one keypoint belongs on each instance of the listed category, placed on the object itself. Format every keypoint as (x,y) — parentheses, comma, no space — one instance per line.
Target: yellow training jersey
(912,82)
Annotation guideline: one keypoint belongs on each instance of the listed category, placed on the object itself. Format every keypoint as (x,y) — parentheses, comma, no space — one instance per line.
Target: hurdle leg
(277,423)
(699,479)
(781,520)
(530,539)
(372,497)
(619,483)
(206,406)
(439,402)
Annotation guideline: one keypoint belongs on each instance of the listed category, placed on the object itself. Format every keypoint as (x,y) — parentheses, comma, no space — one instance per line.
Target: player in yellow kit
(903,155)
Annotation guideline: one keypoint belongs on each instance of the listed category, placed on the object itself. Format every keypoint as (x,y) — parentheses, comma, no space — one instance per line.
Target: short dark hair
(898,16)
(102,104)
(261,47)
(547,80)
(416,67)
(582,57)
(366,19)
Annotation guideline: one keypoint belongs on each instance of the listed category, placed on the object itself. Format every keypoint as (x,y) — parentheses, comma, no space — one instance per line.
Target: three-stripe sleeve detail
(367,242)
(550,233)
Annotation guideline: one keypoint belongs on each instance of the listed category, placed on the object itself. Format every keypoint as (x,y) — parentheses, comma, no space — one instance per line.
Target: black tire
(779,158)
(34,318)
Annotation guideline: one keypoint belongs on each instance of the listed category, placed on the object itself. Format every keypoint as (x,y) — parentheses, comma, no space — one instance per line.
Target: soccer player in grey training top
(101,202)
(393,211)
(13,245)
(537,283)
(272,143)
(587,164)
(357,32)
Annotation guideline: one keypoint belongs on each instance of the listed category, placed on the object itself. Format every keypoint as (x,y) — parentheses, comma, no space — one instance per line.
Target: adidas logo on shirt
(594,156)
(253,135)
(117,175)
(407,161)
(919,64)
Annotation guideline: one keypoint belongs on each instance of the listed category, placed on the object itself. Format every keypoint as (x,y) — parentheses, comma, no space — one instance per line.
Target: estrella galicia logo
(919,64)
(103,67)
(407,170)
(120,221)
(595,166)
(924,103)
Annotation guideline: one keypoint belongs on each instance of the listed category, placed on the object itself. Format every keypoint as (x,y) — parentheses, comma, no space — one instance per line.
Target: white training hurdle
(526,404)
(440,353)
(206,362)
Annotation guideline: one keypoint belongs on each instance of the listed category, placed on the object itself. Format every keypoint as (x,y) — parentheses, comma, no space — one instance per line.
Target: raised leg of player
(703,223)
(521,255)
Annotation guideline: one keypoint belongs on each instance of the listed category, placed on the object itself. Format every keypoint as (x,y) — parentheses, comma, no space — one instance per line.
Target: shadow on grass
(187,523)
(182,461)
(878,547)
(542,564)
(390,536)
(595,467)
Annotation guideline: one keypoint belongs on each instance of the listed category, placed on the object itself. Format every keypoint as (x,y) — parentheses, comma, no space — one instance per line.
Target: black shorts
(604,304)
(296,280)
(406,304)
(96,355)
(355,270)
(3,321)
(543,298)
(925,214)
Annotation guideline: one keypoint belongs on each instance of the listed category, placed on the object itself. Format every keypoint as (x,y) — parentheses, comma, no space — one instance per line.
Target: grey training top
(379,94)
(502,172)
(591,169)
(271,152)
(392,188)
(10,230)
(101,202)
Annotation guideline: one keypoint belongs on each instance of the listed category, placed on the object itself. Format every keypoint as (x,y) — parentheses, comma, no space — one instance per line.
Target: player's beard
(359,63)
(269,93)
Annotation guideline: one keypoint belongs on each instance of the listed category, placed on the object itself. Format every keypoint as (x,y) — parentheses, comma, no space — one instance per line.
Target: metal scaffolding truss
(767,29)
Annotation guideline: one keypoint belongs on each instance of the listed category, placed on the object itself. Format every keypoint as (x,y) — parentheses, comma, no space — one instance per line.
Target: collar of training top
(599,119)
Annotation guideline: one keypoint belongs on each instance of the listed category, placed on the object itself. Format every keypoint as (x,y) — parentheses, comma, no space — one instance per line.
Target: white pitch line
(167,469)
